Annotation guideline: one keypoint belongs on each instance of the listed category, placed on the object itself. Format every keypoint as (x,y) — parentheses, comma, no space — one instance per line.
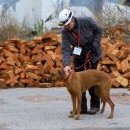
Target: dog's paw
(101,111)
(76,117)
(110,117)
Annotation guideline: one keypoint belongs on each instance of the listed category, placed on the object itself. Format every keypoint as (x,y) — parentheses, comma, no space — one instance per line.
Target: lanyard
(77,37)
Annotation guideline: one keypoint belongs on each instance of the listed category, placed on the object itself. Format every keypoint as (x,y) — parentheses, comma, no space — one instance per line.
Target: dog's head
(57,74)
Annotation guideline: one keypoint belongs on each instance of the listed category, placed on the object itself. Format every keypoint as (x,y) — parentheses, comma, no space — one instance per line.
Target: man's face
(70,26)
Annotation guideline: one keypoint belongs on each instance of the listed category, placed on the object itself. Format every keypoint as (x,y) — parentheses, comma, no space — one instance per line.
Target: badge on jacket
(77,51)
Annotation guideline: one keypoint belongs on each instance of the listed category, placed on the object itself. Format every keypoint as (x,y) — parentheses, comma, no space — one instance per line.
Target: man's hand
(67,69)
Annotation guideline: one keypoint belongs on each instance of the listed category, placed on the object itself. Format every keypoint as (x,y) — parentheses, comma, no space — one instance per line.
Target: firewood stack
(116,56)
(30,63)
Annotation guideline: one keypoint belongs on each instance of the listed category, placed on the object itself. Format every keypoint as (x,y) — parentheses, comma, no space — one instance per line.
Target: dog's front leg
(79,96)
(73,112)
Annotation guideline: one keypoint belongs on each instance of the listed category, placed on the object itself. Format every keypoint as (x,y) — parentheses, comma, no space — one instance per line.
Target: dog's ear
(72,70)
(62,73)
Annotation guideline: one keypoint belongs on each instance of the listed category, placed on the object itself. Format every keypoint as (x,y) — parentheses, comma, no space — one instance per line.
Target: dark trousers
(95,100)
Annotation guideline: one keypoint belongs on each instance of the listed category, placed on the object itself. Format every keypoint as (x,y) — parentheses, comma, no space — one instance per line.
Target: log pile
(116,56)
(30,63)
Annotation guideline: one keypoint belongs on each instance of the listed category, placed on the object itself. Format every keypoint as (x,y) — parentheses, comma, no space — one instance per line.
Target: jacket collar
(77,25)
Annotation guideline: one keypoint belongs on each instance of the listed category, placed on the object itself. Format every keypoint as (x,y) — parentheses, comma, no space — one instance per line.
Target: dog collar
(67,77)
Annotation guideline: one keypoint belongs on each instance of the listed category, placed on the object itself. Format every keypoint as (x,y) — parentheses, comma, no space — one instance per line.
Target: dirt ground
(48,109)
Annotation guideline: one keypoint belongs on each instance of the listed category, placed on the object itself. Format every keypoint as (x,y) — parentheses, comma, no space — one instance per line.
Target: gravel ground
(48,109)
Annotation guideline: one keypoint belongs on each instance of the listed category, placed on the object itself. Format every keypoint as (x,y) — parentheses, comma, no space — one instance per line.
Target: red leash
(87,62)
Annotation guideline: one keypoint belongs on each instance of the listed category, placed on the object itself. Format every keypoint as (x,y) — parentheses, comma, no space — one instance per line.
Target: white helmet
(65,17)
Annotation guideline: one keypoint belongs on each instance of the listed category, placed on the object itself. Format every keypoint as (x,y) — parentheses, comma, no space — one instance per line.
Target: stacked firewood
(30,63)
(116,55)
(116,62)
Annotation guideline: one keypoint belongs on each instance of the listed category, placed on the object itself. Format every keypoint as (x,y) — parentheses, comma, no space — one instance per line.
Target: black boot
(84,104)
(94,102)
(93,111)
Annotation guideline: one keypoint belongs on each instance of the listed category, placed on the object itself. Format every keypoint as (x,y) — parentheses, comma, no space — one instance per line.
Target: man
(81,39)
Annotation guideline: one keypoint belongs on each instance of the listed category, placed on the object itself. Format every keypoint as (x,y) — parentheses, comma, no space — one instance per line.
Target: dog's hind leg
(112,107)
(103,107)
(73,112)
(102,95)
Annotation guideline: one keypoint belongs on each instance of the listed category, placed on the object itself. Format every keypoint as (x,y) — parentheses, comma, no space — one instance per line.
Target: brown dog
(78,82)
